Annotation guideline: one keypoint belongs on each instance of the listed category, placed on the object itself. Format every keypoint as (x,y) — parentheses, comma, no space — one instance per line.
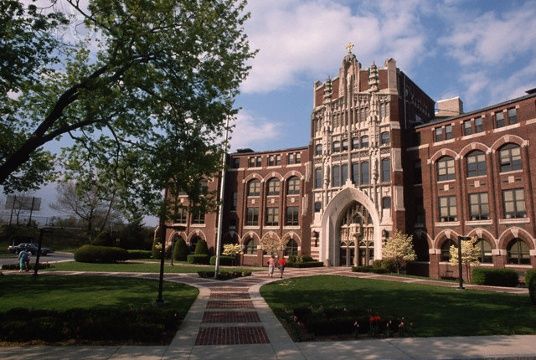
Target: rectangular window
(344,173)
(417,171)
(419,211)
(447,209)
(291,159)
(467,127)
(291,216)
(479,125)
(448,132)
(355,173)
(298,158)
(318,178)
(385,170)
(514,204)
(271,160)
(181,215)
(512,116)
(364,174)
(438,134)
(335,176)
(272,216)
(251,162)
(235,200)
(499,119)
(252,217)
(355,143)
(478,206)
(198,217)
(258,160)
(235,164)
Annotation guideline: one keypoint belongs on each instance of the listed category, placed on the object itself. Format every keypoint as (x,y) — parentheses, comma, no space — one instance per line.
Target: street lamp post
(460,273)
(42,231)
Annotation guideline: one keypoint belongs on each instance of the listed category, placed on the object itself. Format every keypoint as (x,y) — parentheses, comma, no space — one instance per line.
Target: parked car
(31,247)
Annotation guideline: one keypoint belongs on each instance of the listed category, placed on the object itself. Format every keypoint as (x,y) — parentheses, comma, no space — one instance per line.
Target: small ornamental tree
(399,250)
(201,247)
(180,251)
(232,249)
(470,254)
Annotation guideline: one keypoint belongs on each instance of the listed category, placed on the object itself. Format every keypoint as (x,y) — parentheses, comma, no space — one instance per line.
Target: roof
(269,151)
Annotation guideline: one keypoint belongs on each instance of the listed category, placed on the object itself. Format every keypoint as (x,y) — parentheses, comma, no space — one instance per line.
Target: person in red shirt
(282,263)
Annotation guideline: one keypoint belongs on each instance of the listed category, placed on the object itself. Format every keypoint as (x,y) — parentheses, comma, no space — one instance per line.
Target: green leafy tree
(160,74)
(399,250)
(470,255)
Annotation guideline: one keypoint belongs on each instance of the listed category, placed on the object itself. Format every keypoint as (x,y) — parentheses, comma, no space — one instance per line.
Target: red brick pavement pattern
(230,289)
(230,317)
(230,305)
(243,295)
(231,336)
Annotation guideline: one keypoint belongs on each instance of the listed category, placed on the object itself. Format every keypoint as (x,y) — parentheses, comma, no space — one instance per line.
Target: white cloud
(250,131)
(308,37)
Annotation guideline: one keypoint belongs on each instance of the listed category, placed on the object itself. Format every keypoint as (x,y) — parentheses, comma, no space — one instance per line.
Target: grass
(433,311)
(150,267)
(90,310)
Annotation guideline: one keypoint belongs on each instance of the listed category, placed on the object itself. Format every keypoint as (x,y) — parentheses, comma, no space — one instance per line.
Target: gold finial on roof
(349,47)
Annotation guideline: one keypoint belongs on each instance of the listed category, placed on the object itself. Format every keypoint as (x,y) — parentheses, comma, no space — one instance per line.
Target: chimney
(449,107)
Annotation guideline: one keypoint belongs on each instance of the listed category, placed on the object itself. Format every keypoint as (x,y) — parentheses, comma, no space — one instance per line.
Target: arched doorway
(356,236)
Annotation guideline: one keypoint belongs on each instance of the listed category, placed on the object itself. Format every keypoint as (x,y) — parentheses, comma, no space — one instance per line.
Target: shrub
(308,264)
(532,289)
(139,254)
(201,248)
(198,259)
(224,260)
(370,269)
(180,251)
(157,251)
(497,277)
(100,254)
(529,275)
(31,267)
(224,275)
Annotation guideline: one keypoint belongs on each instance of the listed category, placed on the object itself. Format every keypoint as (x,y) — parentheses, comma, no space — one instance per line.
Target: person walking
(23,260)
(282,264)
(271,266)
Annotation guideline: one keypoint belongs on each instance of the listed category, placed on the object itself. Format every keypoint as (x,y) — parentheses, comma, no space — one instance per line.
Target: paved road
(57,256)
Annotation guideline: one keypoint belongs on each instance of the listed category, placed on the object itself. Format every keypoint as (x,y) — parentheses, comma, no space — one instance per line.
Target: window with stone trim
(478,206)
(417,172)
(385,170)
(251,246)
(484,249)
(448,132)
(234,202)
(438,134)
(291,216)
(355,143)
(344,145)
(364,142)
(295,158)
(445,168)
(318,149)
(364,174)
(252,216)
(181,216)
(514,204)
(479,125)
(272,216)
(476,163)
(510,157)
(255,161)
(335,176)
(293,186)
(518,252)
(198,217)
(254,188)
(447,209)
(336,146)
(274,186)
(499,120)
(467,127)
(385,138)
(512,116)
(318,206)
(355,173)
(318,178)
(386,202)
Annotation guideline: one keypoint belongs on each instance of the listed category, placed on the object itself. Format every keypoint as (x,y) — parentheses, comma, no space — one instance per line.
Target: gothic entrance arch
(350,232)
(356,236)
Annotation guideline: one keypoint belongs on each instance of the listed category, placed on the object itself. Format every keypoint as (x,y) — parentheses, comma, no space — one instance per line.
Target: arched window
(291,249)
(484,249)
(510,157)
(293,186)
(250,246)
(518,252)
(274,185)
(193,243)
(254,188)
(385,139)
(421,247)
(445,249)
(364,141)
(476,163)
(445,168)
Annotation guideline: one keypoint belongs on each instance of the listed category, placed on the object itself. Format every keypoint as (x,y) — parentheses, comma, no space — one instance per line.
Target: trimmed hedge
(370,269)
(100,254)
(147,325)
(139,254)
(180,251)
(496,277)
(31,267)
(225,260)
(198,259)
(307,264)
(201,248)
(529,275)
(223,275)
(532,289)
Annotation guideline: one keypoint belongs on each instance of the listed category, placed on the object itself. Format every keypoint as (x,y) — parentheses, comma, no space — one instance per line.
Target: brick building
(381,159)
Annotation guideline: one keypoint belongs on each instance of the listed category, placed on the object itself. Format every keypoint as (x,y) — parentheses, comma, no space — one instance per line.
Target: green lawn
(152,267)
(104,309)
(433,311)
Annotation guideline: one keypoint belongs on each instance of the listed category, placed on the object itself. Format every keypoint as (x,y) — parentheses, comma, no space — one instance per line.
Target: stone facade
(380,160)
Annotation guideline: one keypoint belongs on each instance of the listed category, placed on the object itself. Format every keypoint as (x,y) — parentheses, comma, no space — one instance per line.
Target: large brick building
(380,160)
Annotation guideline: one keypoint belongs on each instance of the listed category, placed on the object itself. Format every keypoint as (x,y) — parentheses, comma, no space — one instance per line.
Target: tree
(181,250)
(399,250)
(161,69)
(470,255)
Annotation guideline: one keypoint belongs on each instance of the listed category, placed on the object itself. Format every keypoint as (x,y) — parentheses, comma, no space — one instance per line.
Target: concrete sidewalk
(234,315)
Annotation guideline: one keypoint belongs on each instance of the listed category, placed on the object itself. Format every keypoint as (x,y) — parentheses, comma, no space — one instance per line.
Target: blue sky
(482,51)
